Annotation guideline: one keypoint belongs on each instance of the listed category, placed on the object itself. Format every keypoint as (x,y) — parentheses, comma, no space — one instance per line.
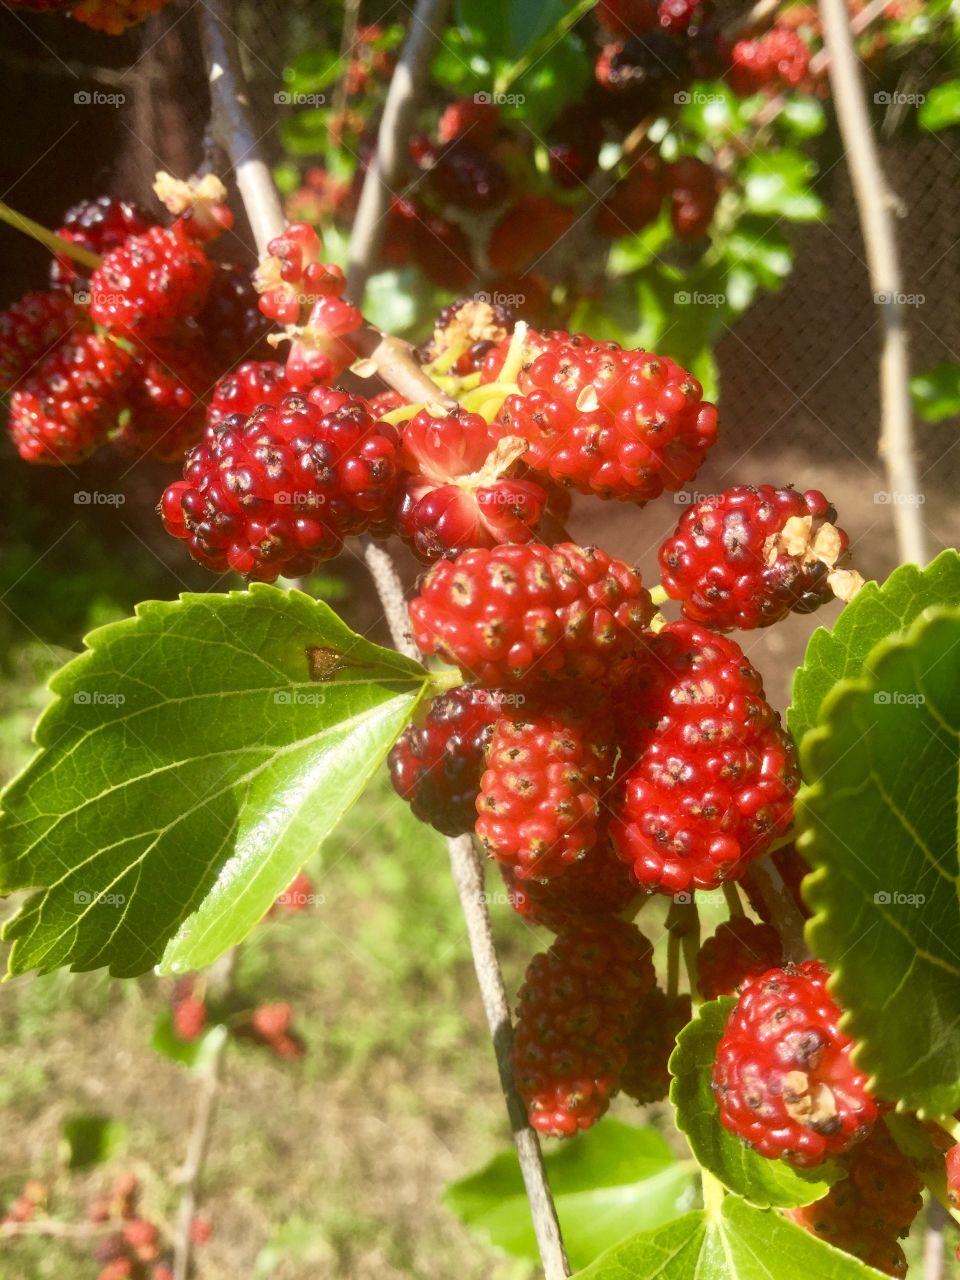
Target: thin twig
(390,590)
(933,1241)
(396,125)
(219,980)
(467,867)
(784,914)
(760,14)
(394,362)
(859,22)
(397,367)
(49,239)
(348,37)
(230,125)
(875,208)
(55,1229)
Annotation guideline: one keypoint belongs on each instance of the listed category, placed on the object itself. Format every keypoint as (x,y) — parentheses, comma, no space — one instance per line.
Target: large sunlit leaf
(606,1184)
(878,821)
(879,610)
(193,759)
(738,1242)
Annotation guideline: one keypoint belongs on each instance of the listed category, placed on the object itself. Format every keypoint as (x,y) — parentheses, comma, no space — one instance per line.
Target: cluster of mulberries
(126,352)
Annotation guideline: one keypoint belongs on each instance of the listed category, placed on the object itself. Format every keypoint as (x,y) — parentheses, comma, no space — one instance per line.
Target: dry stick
(467,867)
(760,14)
(219,980)
(933,1241)
(875,209)
(231,128)
(348,36)
(396,124)
(784,913)
(395,363)
(858,24)
(55,1229)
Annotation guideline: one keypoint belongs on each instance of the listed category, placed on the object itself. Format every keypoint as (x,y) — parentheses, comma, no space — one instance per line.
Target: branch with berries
(606,749)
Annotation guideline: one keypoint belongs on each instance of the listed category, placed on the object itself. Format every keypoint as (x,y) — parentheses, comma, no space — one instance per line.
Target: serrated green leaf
(605,1184)
(189,766)
(942,107)
(87,1140)
(669,1252)
(738,1243)
(761,1181)
(878,822)
(936,393)
(879,610)
(195,1054)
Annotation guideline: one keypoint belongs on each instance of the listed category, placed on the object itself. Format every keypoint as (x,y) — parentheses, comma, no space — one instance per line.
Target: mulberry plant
(738,922)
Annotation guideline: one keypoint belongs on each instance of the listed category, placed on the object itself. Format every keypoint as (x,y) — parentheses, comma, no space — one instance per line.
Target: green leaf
(189,766)
(878,822)
(610,1181)
(460,66)
(710,110)
(313,72)
(306,133)
(778,184)
(195,1054)
(942,107)
(536,93)
(631,252)
(761,1181)
(804,117)
(390,301)
(878,610)
(89,1140)
(737,1243)
(936,393)
(488,22)
(532,20)
(760,247)
(673,1250)
(295,1240)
